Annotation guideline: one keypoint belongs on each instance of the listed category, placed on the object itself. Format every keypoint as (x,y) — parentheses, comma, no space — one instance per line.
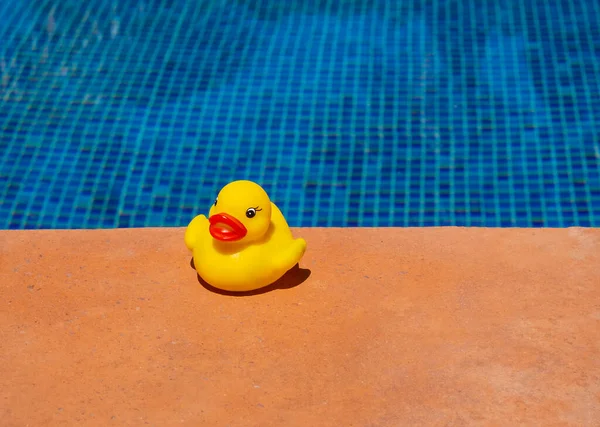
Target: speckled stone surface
(377,327)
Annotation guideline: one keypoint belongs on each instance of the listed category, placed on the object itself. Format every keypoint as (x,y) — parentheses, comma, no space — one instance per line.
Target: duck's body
(261,252)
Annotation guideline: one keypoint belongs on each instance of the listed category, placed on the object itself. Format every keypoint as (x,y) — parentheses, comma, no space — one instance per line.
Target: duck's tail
(300,248)
(193,231)
(292,255)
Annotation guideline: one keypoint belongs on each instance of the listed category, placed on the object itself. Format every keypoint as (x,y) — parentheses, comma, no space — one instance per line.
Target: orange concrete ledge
(378,327)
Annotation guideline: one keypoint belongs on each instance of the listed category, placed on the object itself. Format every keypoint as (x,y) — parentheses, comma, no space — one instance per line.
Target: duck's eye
(251,213)
(216,200)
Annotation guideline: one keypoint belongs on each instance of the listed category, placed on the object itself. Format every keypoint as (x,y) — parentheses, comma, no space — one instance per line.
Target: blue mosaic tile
(362,113)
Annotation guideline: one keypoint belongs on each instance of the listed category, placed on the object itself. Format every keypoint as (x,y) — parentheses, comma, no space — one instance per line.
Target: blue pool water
(350,113)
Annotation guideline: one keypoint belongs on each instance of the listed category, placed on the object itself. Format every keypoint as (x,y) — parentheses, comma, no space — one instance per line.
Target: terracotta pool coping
(377,327)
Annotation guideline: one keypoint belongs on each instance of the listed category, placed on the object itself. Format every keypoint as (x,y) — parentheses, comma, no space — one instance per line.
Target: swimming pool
(349,113)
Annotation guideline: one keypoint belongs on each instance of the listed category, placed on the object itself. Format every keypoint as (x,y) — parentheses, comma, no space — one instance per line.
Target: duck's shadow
(294,277)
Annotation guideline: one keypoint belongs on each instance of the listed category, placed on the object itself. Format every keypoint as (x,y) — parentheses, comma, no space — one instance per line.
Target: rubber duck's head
(241,211)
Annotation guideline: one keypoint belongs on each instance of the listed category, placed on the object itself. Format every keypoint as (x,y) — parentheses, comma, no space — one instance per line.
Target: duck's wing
(194,230)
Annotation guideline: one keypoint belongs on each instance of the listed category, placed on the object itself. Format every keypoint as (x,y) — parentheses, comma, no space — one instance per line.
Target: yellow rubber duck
(245,243)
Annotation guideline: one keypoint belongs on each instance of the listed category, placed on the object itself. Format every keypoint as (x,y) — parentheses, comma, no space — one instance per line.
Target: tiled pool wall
(353,113)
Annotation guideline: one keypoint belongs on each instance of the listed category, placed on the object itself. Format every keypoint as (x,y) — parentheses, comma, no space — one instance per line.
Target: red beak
(226,228)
